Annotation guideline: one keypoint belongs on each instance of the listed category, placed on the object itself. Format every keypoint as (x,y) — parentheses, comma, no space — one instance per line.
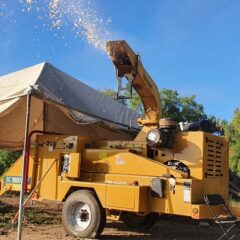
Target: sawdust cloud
(78,16)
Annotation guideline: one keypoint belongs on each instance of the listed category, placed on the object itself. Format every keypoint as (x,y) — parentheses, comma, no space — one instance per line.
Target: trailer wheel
(102,222)
(103,219)
(81,215)
(138,221)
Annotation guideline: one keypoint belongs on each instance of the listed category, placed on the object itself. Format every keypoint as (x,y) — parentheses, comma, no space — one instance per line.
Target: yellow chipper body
(161,171)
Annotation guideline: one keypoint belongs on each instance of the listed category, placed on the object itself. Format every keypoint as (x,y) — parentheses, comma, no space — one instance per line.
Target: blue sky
(192,46)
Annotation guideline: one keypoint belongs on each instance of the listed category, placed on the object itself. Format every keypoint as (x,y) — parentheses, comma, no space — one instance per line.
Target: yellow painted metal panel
(122,197)
(188,149)
(12,178)
(127,197)
(201,211)
(65,184)
(173,201)
(74,165)
(123,162)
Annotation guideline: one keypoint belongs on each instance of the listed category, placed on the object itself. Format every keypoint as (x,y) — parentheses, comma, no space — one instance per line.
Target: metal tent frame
(26,136)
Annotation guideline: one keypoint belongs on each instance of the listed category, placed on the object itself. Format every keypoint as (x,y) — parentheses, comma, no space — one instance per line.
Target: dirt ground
(43,221)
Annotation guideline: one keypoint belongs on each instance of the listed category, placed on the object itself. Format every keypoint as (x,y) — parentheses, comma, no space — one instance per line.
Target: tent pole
(20,217)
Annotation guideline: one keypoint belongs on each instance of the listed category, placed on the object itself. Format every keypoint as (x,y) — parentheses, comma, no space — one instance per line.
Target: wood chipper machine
(162,171)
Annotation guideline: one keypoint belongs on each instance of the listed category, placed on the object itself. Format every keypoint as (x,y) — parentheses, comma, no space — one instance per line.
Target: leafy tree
(113,94)
(218,125)
(191,109)
(170,104)
(181,108)
(232,131)
(110,93)
(174,106)
(136,103)
(7,158)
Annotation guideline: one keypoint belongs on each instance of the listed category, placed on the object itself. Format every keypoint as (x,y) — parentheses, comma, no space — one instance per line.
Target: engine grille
(214,157)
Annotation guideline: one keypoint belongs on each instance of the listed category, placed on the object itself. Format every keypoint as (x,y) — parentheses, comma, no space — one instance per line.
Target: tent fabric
(59,103)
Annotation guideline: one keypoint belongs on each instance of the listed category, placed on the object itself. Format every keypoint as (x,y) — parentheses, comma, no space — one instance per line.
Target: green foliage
(170,104)
(7,158)
(232,131)
(174,106)
(180,108)
(136,103)
(113,94)
(110,93)
(218,125)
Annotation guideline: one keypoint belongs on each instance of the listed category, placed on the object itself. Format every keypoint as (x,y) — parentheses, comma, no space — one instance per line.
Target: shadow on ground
(172,228)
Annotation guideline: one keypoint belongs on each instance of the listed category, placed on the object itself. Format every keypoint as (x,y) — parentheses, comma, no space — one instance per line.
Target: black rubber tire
(142,222)
(103,221)
(69,221)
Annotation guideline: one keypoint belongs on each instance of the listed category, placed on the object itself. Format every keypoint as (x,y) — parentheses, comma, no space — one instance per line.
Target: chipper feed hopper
(162,171)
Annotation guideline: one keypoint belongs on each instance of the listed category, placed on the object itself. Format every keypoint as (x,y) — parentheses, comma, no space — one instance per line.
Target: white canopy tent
(59,103)
(44,98)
